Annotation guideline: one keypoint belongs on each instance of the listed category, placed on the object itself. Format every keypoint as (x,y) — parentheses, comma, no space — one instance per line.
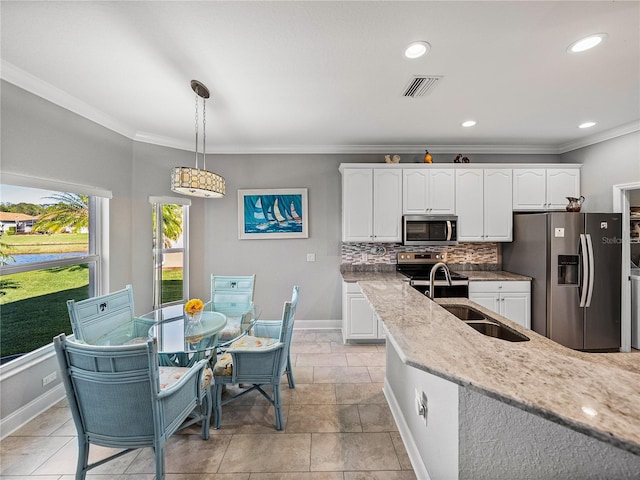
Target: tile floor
(338,427)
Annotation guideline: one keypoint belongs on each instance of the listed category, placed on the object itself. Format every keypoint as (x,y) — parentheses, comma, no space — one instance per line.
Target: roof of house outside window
(19,217)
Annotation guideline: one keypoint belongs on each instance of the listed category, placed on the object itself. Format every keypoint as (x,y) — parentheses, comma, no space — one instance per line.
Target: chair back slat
(94,318)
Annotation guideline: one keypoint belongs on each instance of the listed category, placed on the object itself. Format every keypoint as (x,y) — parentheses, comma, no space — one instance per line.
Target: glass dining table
(182,342)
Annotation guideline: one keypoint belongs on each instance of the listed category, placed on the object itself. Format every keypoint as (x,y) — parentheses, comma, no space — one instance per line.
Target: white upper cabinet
(357,205)
(483,196)
(428,191)
(483,205)
(498,214)
(562,183)
(470,204)
(387,205)
(371,205)
(544,188)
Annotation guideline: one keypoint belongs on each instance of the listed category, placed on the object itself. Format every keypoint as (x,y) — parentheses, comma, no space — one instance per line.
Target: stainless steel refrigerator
(575,260)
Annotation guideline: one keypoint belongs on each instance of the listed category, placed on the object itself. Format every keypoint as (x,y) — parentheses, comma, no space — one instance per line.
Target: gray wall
(606,164)
(42,140)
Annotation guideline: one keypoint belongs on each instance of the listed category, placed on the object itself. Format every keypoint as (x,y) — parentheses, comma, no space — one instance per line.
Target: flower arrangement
(193,306)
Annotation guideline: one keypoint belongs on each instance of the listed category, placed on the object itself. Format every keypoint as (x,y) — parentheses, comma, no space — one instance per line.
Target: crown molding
(145,137)
(36,86)
(600,137)
(347,149)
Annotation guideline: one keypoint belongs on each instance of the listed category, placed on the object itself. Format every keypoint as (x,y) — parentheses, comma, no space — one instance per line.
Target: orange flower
(194,305)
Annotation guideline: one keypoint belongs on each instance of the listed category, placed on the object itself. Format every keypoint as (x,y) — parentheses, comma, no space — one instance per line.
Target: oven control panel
(428,257)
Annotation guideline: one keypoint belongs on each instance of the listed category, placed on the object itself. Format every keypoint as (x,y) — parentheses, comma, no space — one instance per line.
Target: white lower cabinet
(509,299)
(359,321)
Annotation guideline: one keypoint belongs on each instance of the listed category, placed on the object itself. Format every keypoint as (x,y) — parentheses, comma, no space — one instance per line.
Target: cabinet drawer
(498,287)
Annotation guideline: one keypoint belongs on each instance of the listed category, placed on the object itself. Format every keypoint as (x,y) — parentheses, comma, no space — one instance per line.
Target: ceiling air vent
(420,85)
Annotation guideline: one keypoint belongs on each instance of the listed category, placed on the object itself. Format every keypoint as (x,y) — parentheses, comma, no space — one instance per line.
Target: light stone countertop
(474,275)
(494,276)
(538,376)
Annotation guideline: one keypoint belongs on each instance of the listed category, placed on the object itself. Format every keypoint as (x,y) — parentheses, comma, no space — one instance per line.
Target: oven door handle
(449,231)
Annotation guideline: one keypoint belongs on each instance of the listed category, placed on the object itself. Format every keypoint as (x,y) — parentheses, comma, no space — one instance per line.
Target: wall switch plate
(559,232)
(311,257)
(49,378)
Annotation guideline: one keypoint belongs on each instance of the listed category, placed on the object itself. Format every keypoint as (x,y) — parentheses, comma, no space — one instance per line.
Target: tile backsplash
(485,256)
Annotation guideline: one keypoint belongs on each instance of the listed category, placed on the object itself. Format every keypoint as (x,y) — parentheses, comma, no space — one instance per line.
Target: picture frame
(274,213)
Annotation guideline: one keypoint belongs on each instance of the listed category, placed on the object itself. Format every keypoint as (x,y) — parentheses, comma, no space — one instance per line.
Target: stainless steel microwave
(429,230)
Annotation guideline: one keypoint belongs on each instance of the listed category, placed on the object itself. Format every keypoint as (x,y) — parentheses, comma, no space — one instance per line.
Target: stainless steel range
(417,266)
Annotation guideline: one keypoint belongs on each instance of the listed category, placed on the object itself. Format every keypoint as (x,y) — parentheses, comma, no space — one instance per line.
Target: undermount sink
(497,330)
(463,312)
(483,324)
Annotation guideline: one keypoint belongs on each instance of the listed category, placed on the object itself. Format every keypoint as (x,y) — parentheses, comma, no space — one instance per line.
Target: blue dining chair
(231,295)
(256,361)
(272,329)
(111,314)
(120,398)
(232,289)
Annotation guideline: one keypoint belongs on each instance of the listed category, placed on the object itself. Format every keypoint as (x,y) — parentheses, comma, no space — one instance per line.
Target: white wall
(606,164)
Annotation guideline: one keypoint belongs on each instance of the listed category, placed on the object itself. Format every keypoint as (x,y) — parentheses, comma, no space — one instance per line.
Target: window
(49,253)
(170,254)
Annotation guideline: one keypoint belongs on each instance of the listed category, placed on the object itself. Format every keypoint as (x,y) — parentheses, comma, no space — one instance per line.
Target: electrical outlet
(311,257)
(421,405)
(49,378)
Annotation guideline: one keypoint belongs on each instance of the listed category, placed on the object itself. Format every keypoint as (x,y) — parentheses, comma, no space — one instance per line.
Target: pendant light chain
(204,133)
(196,118)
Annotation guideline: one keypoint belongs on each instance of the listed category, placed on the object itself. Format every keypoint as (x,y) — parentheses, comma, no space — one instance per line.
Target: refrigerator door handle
(592,272)
(583,287)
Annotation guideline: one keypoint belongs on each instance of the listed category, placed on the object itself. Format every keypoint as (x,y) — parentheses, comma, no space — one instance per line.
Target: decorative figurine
(427,157)
(458,158)
(465,159)
(387,159)
(395,159)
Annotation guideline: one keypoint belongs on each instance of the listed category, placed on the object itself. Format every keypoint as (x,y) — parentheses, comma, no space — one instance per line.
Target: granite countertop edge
(539,376)
(363,274)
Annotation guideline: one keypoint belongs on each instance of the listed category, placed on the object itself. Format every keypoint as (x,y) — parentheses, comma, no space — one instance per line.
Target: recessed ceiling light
(586,125)
(469,123)
(416,49)
(587,43)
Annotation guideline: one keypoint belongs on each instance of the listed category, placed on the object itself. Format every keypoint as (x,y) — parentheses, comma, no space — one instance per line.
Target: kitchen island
(497,406)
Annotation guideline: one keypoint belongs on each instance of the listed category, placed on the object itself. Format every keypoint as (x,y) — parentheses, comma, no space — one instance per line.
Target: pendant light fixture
(193,181)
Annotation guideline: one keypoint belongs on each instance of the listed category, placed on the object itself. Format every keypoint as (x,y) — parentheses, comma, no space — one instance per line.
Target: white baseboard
(318,324)
(412,449)
(31,410)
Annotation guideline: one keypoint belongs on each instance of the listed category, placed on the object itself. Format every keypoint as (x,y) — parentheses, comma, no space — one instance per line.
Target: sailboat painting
(272,213)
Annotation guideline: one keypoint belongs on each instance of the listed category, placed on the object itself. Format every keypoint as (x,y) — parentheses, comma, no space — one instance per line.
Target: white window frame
(98,250)
(159,250)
